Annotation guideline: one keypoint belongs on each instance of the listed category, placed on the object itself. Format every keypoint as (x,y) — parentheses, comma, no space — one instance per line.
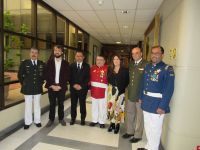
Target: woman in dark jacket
(118,78)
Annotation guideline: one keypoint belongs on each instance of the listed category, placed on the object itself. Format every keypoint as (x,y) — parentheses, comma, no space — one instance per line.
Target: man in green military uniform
(31,77)
(134,116)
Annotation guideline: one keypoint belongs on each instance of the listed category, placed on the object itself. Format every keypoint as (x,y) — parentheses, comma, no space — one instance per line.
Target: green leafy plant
(12,41)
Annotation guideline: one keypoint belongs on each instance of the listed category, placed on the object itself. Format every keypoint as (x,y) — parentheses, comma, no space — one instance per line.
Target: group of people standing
(150,87)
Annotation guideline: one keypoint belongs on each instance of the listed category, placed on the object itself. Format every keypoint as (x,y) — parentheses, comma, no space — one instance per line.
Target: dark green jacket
(135,77)
(31,77)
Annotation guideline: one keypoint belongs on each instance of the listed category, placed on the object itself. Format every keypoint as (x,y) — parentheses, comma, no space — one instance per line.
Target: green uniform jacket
(31,77)
(135,76)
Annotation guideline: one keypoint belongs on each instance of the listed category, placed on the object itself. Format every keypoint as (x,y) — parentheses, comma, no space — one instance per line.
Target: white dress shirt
(57,65)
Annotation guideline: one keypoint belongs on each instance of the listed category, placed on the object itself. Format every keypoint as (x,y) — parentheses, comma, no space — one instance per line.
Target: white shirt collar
(79,64)
(34,60)
(137,62)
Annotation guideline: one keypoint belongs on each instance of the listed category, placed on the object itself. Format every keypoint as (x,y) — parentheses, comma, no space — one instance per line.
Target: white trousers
(29,99)
(153,128)
(99,110)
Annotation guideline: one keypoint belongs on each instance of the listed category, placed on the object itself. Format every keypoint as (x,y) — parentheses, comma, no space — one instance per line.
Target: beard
(57,56)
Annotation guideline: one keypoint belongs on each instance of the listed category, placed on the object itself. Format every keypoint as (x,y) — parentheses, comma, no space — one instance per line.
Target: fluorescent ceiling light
(118,42)
(124,11)
(125,26)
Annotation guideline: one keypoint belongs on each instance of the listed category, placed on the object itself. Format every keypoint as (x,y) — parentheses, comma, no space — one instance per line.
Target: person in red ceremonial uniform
(98,81)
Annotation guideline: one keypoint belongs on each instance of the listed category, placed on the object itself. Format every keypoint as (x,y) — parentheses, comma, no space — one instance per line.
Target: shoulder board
(166,67)
(169,68)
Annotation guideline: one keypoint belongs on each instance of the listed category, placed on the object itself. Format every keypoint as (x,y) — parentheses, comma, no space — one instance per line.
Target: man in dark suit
(57,76)
(31,77)
(80,76)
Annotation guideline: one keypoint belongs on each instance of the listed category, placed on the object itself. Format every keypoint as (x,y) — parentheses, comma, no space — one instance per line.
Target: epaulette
(166,67)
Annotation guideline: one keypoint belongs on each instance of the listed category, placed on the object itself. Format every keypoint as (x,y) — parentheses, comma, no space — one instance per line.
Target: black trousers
(81,96)
(59,97)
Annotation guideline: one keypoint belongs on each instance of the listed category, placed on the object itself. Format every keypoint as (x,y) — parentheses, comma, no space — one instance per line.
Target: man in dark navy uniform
(155,95)
(31,77)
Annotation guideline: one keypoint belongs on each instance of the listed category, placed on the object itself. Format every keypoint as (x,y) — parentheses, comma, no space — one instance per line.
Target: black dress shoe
(38,125)
(102,125)
(26,127)
(142,149)
(135,140)
(126,135)
(111,127)
(49,123)
(63,122)
(82,122)
(72,122)
(117,128)
(92,124)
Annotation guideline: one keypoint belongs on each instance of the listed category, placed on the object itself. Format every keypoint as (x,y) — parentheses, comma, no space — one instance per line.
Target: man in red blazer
(57,76)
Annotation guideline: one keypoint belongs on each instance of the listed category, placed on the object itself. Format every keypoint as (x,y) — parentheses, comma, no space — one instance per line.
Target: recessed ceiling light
(125,26)
(100,2)
(118,42)
(124,11)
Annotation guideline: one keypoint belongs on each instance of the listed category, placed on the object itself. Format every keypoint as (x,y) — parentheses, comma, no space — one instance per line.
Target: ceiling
(104,19)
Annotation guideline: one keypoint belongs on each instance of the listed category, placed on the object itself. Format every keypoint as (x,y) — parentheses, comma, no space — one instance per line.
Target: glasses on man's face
(157,54)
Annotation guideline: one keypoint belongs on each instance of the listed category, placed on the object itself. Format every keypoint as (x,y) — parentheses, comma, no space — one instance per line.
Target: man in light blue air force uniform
(155,95)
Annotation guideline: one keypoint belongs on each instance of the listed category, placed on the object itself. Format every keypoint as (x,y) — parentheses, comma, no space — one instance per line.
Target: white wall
(14,114)
(180,29)
(92,42)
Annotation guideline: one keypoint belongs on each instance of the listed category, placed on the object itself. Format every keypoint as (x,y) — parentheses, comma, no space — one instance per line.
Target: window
(72,35)
(86,41)
(16,49)
(60,34)
(12,93)
(44,23)
(17,16)
(71,55)
(80,40)
(45,50)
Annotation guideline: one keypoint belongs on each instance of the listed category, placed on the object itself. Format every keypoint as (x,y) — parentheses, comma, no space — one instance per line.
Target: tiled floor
(74,137)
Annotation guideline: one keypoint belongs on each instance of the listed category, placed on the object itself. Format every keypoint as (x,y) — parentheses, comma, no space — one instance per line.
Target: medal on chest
(154,76)
(102,74)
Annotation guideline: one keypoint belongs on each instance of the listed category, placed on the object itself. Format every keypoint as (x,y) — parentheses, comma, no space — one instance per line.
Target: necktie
(79,67)
(34,64)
